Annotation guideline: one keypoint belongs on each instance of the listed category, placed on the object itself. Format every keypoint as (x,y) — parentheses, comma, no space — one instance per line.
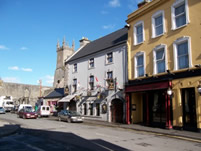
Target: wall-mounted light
(199,88)
(169,91)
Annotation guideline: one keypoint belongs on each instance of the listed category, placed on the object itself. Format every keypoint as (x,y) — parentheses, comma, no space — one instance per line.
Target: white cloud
(23,48)
(2,47)
(26,69)
(108,26)
(104,12)
(11,79)
(13,68)
(114,3)
(49,79)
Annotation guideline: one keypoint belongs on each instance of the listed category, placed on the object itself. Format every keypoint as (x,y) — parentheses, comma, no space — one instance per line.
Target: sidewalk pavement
(7,128)
(181,134)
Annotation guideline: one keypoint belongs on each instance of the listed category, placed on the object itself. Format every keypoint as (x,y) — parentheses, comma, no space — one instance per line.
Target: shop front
(150,104)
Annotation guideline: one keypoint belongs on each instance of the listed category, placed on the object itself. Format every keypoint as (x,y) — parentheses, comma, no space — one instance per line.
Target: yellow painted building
(164,71)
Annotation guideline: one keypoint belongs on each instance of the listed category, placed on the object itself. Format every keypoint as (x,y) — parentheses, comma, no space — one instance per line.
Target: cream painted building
(164,70)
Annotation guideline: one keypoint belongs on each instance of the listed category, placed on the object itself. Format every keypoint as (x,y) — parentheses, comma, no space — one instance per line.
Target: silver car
(70,116)
(2,110)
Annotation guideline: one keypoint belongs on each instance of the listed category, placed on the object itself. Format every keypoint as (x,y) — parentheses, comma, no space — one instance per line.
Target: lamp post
(168,99)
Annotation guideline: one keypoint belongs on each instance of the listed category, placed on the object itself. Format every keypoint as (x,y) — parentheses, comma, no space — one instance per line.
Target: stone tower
(63,53)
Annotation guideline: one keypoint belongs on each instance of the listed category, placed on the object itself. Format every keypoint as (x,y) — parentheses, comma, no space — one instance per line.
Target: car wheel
(59,118)
(69,120)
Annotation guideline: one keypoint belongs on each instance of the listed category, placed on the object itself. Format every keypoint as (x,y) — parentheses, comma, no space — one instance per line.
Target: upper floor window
(180,14)
(91,82)
(91,63)
(139,33)
(158,24)
(159,54)
(75,67)
(74,85)
(110,80)
(182,53)
(109,58)
(139,64)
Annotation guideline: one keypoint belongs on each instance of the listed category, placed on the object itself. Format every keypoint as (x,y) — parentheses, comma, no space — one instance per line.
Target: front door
(157,108)
(189,109)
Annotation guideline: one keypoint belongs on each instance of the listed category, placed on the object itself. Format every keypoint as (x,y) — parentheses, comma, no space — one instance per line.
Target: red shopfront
(156,104)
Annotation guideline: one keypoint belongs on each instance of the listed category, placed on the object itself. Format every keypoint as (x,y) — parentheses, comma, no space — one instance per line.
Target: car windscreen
(9,103)
(28,109)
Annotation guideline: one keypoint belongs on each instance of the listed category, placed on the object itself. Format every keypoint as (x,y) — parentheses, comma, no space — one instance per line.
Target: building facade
(164,64)
(96,78)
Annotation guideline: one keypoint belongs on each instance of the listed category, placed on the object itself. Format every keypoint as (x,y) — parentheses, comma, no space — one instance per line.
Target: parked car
(21,106)
(27,113)
(2,110)
(43,110)
(70,116)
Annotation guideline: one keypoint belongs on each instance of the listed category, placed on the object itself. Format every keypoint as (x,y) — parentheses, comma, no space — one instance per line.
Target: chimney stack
(143,3)
(84,41)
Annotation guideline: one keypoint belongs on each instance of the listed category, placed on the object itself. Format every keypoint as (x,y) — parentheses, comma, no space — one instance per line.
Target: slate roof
(56,93)
(116,38)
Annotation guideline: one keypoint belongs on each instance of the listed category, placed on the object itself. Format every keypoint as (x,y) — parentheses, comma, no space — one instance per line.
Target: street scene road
(50,134)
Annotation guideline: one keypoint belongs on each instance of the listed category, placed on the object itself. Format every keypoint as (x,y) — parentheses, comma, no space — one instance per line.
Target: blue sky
(29,30)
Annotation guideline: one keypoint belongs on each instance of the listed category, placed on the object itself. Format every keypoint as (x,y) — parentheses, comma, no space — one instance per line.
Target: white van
(7,103)
(43,110)
(23,106)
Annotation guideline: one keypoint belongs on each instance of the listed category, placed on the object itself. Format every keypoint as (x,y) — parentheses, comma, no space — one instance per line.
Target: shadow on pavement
(68,140)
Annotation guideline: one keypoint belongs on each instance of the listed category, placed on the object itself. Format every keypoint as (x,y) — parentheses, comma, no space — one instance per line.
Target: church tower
(63,53)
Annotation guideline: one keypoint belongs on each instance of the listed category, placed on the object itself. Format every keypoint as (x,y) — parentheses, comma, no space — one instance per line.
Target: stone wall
(23,93)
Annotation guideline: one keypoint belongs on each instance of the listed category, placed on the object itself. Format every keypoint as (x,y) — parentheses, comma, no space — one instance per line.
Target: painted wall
(137,115)
(177,100)
(192,30)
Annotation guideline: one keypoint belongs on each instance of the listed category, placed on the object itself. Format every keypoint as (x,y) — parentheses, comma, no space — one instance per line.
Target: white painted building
(97,73)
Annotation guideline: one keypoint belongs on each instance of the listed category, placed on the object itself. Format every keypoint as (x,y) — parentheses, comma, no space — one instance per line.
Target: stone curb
(167,133)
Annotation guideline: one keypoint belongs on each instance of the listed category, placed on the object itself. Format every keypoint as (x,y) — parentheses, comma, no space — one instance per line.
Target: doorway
(117,111)
(189,109)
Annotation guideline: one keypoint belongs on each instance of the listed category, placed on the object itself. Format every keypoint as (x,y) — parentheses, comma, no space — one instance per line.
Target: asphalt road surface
(46,134)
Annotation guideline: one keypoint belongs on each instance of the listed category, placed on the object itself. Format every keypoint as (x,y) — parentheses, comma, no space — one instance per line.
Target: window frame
(91,62)
(74,85)
(107,58)
(74,65)
(175,51)
(176,4)
(138,54)
(91,83)
(154,16)
(158,48)
(135,31)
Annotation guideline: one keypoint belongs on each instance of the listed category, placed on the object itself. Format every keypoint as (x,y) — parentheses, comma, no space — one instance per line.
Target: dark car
(27,113)
(2,110)
(70,116)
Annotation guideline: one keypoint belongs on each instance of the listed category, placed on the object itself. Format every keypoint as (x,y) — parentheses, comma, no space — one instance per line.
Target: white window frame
(90,63)
(176,4)
(159,47)
(179,41)
(74,67)
(135,31)
(155,15)
(106,58)
(135,63)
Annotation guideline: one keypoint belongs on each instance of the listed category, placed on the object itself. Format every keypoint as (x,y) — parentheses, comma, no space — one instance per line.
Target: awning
(67,98)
